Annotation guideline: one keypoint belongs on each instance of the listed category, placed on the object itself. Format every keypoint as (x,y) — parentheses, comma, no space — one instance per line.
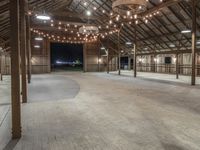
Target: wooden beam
(108,64)
(159,7)
(194,22)
(1,76)
(15,69)
(119,54)
(28,46)
(69,14)
(84,58)
(177,66)
(129,63)
(135,54)
(23,50)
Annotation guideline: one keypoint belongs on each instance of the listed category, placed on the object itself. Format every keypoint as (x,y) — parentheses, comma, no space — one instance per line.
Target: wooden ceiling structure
(154,37)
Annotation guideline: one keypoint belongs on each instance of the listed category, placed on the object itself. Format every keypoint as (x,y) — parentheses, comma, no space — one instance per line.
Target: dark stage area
(66,57)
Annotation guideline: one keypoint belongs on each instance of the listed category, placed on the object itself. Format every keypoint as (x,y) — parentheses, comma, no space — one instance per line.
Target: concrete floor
(5,124)
(57,88)
(110,112)
(159,77)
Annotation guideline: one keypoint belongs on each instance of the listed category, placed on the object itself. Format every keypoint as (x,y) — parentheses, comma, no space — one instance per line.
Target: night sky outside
(66,52)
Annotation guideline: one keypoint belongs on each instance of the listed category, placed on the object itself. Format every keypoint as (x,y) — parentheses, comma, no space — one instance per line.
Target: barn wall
(91,54)
(40,59)
(5,64)
(157,64)
(95,59)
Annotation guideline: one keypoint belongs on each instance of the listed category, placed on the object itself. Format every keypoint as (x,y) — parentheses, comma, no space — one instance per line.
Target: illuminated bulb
(88,13)
(117,18)
(43,17)
(85,3)
(29,13)
(36,46)
(135,16)
(38,38)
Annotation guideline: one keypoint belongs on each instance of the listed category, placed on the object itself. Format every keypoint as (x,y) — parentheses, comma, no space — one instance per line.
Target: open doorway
(66,57)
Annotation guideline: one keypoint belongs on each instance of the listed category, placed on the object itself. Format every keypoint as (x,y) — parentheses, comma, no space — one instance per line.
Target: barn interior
(99,74)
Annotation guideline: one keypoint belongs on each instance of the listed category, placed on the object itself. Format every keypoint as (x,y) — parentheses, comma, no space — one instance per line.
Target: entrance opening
(125,63)
(66,57)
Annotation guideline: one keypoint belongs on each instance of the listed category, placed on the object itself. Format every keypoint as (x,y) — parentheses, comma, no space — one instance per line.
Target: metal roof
(161,31)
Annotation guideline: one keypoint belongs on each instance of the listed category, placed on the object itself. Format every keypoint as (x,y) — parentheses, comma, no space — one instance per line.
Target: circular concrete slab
(52,88)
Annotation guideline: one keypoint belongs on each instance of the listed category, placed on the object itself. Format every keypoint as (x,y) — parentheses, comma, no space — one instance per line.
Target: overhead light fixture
(88,13)
(186,31)
(85,3)
(198,42)
(103,48)
(38,38)
(89,29)
(128,43)
(99,60)
(171,45)
(36,46)
(43,17)
(129,7)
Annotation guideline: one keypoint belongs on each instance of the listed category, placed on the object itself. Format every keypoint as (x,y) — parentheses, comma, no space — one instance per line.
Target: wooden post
(177,66)
(108,69)
(129,63)
(84,58)
(1,76)
(48,53)
(23,50)
(15,69)
(135,61)
(193,79)
(135,54)
(28,47)
(111,64)
(99,63)
(155,63)
(119,54)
